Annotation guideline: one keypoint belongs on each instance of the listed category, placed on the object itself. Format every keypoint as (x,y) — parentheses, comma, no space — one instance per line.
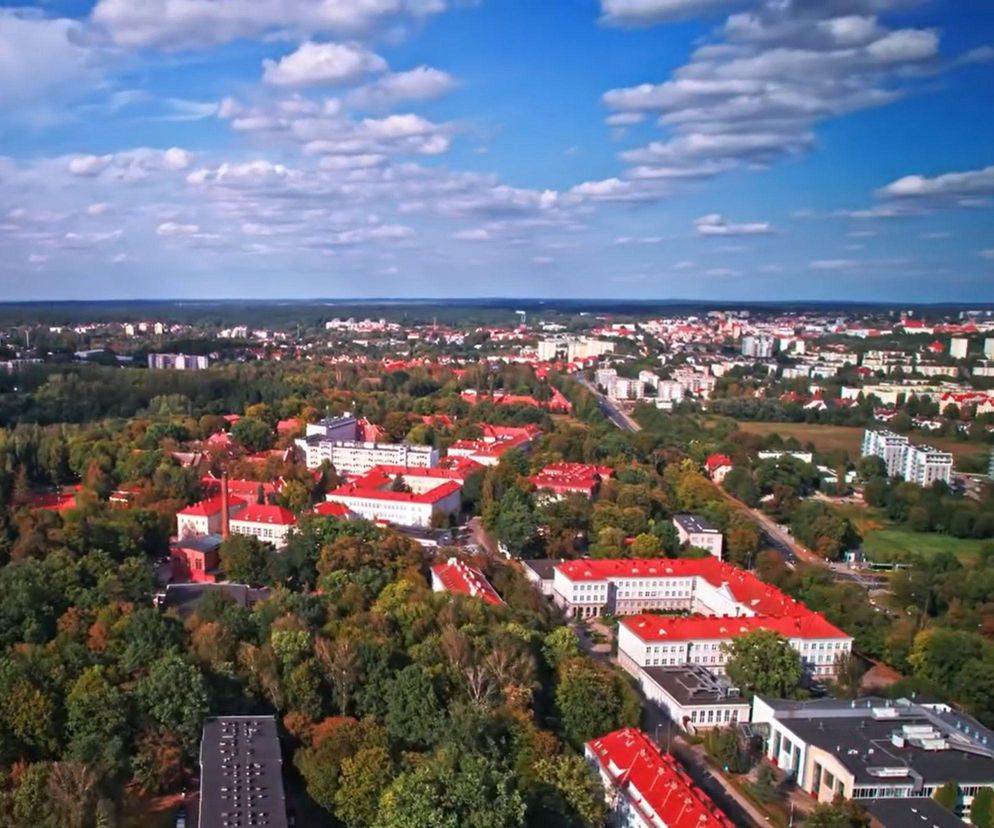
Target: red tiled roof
(459,577)
(329,509)
(291,424)
(266,514)
(654,782)
(209,507)
(697,627)
(373,492)
(716,461)
(570,477)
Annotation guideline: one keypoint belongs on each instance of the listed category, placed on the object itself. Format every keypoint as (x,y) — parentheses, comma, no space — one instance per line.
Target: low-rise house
(695,531)
(460,578)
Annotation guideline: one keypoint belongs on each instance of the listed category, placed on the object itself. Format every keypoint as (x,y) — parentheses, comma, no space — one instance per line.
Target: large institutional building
(875,749)
(923,465)
(725,602)
(355,457)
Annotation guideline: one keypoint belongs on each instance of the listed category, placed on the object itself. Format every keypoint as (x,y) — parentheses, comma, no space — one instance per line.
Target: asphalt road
(611,410)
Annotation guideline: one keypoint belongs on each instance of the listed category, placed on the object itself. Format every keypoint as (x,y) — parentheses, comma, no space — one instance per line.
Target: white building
(670,391)
(989,347)
(571,348)
(697,532)
(666,641)
(646,788)
(428,492)
(874,748)
(958,347)
(922,465)
(178,362)
(205,517)
(693,697)
(271,524)
(345,427)
(626,389)
(354,457)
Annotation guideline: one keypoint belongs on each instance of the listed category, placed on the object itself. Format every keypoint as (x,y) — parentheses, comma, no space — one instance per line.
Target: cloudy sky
(734,149)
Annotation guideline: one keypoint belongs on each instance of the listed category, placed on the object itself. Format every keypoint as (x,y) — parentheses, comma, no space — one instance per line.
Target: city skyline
(638,149)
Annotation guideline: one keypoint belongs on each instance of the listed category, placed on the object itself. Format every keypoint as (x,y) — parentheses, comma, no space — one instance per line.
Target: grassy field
(830,438)
(883,541)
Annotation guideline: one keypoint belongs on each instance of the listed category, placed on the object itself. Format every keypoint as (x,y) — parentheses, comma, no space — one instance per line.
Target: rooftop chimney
(224,505)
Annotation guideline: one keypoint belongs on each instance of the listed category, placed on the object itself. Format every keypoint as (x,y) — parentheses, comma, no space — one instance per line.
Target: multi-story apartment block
(178,362)
(425,493)
(354,457)
(922,465)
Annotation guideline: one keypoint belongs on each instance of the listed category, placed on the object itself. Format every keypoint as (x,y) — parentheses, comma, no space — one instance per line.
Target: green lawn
(890,543)
(884,541)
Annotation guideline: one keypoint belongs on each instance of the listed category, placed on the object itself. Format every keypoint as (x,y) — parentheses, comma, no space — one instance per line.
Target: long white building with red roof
(462,579)
(271,524)
(560,479)
(725,602)
(647,788)
(659,640)
(206,517)
(495,442)
(403,495)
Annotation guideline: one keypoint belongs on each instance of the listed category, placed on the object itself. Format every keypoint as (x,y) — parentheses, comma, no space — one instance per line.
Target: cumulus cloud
(420,84)
(776,71)
(43,61)
(955,185)
(130,164)
(194,24)
(322,64)
(715,224)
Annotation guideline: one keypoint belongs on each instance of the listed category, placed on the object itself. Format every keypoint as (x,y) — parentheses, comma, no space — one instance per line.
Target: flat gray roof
(241,773)
(695,685)
(914,812)
(695,523)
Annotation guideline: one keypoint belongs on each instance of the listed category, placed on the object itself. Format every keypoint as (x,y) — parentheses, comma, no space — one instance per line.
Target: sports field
(848,438)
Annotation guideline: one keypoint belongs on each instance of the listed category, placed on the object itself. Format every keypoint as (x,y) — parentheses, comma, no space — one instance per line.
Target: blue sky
(727,149)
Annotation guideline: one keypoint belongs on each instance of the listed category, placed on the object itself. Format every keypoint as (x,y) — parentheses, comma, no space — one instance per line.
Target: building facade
(918,464)
(270,524)
(697,532)
(353,457)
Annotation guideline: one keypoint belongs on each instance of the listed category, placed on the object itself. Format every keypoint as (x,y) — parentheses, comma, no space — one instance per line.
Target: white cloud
(130,165)
(758,93)
(722,271)
(319,64)
(646,12)
(715,225)
(98,208)
(987,254)
(171,228)
(192,24)
(474,234)
(43,62)
(420,84)
(955,185)
(833,264)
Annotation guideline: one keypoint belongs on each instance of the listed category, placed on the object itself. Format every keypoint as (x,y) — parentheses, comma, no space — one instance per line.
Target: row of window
(714,716)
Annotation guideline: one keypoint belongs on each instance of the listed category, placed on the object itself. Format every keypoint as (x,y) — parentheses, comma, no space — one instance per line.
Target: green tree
(513,519)
(97,723)
(947,796)
(837,815)
(452,790)
(246,560)
(763,662)
(982,808)
(254,434)
(414,712)
(559,645)
(591,700)
(361,783)
(174,695)
(575,785)
(645,546)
